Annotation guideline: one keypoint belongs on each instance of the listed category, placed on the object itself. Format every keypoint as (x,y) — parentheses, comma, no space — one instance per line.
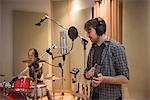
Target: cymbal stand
(35,86)
(4,87)
(3,84)
(53,81)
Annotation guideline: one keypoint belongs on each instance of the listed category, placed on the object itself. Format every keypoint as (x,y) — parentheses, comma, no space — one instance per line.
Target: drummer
(33,54)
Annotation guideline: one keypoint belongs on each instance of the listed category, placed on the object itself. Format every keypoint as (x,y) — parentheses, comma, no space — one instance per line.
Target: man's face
(92,35)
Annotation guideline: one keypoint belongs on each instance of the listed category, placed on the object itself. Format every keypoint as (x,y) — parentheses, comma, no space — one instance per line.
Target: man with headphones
(107,66)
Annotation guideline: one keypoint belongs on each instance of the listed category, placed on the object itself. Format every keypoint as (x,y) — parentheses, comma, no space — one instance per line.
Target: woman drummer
(36,67)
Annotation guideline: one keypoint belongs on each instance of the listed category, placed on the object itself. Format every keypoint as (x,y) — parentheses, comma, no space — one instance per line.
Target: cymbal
(53,78)
(2,75)
(30,61)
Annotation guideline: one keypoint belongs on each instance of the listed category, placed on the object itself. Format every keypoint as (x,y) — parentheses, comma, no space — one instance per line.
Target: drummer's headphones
(100,26)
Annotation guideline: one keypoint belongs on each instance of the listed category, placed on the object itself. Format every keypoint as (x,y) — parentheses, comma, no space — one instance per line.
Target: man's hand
(90,73)
(97,80)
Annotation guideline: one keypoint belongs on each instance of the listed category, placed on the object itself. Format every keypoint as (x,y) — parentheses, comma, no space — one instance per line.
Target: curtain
(111,12)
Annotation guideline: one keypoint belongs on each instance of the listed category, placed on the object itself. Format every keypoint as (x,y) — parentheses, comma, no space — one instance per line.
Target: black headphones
(100,27)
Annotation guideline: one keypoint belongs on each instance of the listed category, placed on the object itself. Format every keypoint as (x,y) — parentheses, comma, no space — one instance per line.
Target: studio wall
(63,15)
(1,35)
(7,8)
(136,40)
(27,35)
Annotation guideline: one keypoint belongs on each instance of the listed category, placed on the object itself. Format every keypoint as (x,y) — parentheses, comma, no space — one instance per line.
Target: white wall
(0,35)
(7,32)
(136,40)
(149,44)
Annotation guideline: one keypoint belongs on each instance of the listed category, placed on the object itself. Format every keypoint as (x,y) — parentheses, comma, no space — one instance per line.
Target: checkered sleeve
(121,61)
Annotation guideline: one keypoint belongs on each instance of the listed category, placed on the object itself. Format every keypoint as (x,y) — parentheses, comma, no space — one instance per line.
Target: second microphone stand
(84,42)
(62,75)
(32,67)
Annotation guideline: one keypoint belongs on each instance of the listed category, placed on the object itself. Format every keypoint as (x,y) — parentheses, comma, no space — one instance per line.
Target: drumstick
(23,71)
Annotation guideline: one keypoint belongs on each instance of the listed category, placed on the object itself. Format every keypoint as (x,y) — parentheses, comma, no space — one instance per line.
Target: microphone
(13,80)
(73,33)
(42,20)
(34,63)
(63,43)
(49,50)
(84,40)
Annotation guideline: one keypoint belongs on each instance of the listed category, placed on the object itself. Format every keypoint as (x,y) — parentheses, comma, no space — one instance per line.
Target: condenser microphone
(73,33)
(42,20)
(63,42)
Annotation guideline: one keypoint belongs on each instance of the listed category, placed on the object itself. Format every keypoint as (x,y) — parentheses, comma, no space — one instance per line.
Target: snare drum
(41,91)
(23,83)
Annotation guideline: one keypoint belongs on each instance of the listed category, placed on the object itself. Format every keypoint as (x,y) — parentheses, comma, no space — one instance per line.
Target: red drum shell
(16,95)
(23,83)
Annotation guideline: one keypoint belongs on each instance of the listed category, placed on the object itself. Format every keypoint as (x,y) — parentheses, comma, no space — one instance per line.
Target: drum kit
(26,88)
(8,92)
(23,87)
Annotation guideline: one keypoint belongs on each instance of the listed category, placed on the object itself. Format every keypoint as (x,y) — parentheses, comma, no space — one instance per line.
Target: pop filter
(73,33)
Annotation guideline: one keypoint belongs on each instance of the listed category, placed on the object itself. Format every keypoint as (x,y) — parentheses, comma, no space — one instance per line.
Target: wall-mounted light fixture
(77,5)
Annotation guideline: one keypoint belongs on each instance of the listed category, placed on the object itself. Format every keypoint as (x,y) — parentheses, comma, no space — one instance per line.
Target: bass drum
(16,95)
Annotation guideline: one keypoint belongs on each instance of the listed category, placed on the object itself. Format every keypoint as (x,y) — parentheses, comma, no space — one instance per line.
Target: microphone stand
(32,66)
(84,42)
(62,75)
(35,85)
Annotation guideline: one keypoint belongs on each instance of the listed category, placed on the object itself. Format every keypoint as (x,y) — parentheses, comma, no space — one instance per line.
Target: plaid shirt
(113,62)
